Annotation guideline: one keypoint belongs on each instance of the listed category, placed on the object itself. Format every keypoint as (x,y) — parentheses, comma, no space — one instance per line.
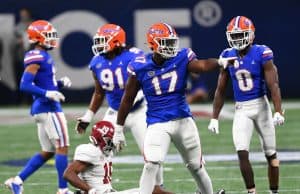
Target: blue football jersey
(164,86)
(112,74)
(247,74)
(44,78)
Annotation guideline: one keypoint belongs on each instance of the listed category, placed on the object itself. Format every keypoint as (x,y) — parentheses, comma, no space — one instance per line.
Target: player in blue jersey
(162,75)
(109,69)
(39,80)
(251,73)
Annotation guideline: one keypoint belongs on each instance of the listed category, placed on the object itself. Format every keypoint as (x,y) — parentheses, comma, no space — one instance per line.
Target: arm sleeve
(27,85)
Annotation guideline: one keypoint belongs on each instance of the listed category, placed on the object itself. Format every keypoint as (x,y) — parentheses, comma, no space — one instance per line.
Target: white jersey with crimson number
(98,174)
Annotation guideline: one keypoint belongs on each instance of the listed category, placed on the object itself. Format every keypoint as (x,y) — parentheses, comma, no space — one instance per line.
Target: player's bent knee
(270,153)
(149,166)
(194,164)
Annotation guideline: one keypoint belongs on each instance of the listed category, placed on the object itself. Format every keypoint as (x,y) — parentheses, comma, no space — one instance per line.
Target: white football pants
(254,113)
(52,130)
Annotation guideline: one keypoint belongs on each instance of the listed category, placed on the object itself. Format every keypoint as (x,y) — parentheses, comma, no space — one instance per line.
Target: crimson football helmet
(162,38)
(240,32)
(102,135)
(108,37)
(42,32)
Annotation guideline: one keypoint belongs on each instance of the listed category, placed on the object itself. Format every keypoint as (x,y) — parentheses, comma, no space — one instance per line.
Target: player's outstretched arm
(218,100)
(271,77)
(203,65)
(71,175)
(95,103)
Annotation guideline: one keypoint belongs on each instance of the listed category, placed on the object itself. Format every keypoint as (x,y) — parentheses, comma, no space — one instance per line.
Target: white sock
(64,190)
(18,180)
(147,180)
(159,176)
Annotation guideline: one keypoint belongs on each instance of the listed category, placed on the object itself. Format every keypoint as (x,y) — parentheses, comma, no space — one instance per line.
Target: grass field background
(19,141)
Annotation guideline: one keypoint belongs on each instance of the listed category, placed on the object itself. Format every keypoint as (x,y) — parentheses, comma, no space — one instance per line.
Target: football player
(108,67)
(251,73)
(162,75)
(91,169)
(39,80)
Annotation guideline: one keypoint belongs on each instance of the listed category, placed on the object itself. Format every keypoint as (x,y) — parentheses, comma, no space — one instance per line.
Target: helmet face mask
(51,39)
(109,146)
(240,40)
(101,44)
(240,32)
(107,38)
(168,47)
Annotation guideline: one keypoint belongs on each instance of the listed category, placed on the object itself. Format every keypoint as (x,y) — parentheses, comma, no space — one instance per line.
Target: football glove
(84,121)
(66,82)
(119,138)
(55,95)
(278,119)
(214,126)
(224,62)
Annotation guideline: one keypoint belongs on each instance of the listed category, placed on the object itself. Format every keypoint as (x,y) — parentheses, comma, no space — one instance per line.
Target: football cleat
(13,187)
(221,191)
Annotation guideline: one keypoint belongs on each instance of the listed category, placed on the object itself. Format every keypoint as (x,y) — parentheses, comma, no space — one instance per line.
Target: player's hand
(84,121)
(66,82)
(55,95)
(278,119)
(119,138)
(214,126)
(225,61)
(92,191)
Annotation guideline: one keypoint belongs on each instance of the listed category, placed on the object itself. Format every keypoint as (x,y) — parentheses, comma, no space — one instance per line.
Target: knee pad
(150,166)
(194,164)
(273,161)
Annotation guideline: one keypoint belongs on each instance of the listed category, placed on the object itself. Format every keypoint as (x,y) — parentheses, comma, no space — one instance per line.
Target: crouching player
(91,169)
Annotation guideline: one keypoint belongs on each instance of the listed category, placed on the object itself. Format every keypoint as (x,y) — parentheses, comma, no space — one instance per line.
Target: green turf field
(19,141)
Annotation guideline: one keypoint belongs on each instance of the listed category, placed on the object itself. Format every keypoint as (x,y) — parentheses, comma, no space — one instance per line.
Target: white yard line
(175,158)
